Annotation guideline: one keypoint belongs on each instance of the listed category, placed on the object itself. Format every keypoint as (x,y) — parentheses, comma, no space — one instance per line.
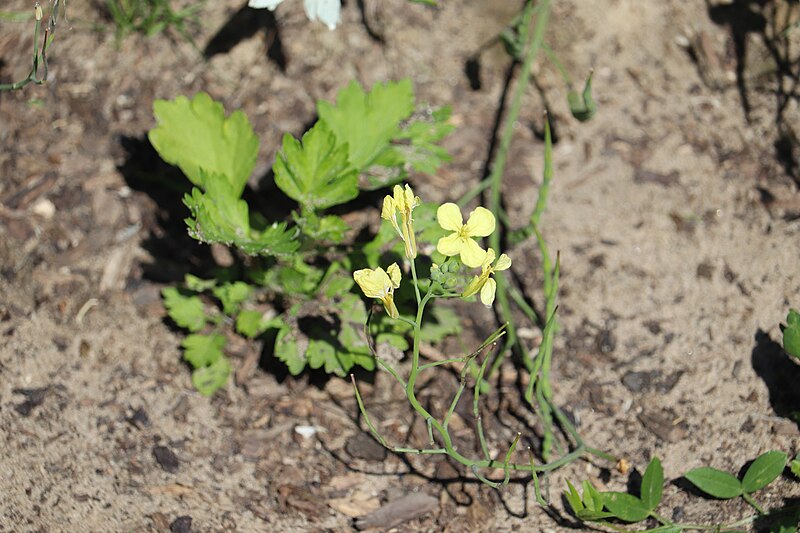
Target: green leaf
(625,507)
(422,151)
(582,106)
(217,217)
(330,228)
(203,350)
(252,323)
(315,173)
(665,529)
(287,350)
(187,311)
(794,466)
(715,482)
(232,294)
(367,122)
(791,334)
(573,498)
(592,498)
(652,484)
(193,283)
(208,379)
(196,135)
(764,470)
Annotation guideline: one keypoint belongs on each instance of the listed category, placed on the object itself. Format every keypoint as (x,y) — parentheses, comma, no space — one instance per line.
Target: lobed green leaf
(203,350)
(231,295)
(186,310)
(195,135)
(367,122)
(208,379)
(315,172)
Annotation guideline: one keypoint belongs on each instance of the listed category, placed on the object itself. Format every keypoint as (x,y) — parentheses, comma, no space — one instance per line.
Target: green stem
(749,499)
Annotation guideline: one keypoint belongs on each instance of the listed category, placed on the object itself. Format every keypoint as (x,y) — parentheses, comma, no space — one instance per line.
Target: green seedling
(719,484)
(600,507)
(791,334)
(300,265)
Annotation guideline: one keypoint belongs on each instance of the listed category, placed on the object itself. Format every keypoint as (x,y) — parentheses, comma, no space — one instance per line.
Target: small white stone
(305,431)
(44,208)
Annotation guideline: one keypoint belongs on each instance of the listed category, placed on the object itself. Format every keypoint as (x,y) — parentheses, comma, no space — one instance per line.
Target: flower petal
(472,255)
(388,208)
(487,292)
(488,260)
(449,217)
(373,283)
(394,275)
(450,245)
(481,223)
(503,263)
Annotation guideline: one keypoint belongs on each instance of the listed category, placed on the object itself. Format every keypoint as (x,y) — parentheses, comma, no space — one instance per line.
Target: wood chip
(357,505)
(398,511)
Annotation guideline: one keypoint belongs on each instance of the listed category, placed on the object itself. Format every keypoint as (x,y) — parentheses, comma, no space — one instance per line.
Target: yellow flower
(480,224)
(484,283)
(403,201)
(380,284)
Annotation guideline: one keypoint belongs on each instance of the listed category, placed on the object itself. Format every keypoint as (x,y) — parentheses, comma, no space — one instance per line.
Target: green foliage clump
(301,265)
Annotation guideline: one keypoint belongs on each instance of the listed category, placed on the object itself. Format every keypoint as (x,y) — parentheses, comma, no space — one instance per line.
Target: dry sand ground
(677,222)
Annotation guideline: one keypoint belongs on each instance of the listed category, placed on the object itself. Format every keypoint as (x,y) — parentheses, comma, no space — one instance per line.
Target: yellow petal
(449,217)
(450,245)
(388,208)
(410,200)
(394,275)
(472,255)
(373,283)
(487,292)
(488,260)
(481,223)
(399,197)
(503,263)
(391,308)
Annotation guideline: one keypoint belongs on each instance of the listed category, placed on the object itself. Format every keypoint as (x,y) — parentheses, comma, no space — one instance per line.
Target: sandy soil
(675,210)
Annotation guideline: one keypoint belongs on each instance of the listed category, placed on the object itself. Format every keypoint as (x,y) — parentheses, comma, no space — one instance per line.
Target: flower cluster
(380,284)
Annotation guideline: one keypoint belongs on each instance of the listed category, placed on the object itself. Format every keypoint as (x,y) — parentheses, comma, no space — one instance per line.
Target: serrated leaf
(625,506)
(287,350)
(329,228)
(251,323)
(398,341)
(367,122)
(203,350)
(186,310)
(422,151)
(208,379)
(231,295)
(219,218)
(194,134)
(316,172)
(715,482)
(652,484)
(794,466)
(791,334)
(764,470)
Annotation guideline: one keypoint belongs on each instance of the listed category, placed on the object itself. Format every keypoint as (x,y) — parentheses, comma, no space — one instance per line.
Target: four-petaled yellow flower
(484,283)
(481,223)
(380,284)
(404,202)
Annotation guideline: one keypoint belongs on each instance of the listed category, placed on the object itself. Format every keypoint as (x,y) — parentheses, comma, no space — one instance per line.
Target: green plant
(600,507)
(791,334)
(39,61)
(150,17)
(301,265)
